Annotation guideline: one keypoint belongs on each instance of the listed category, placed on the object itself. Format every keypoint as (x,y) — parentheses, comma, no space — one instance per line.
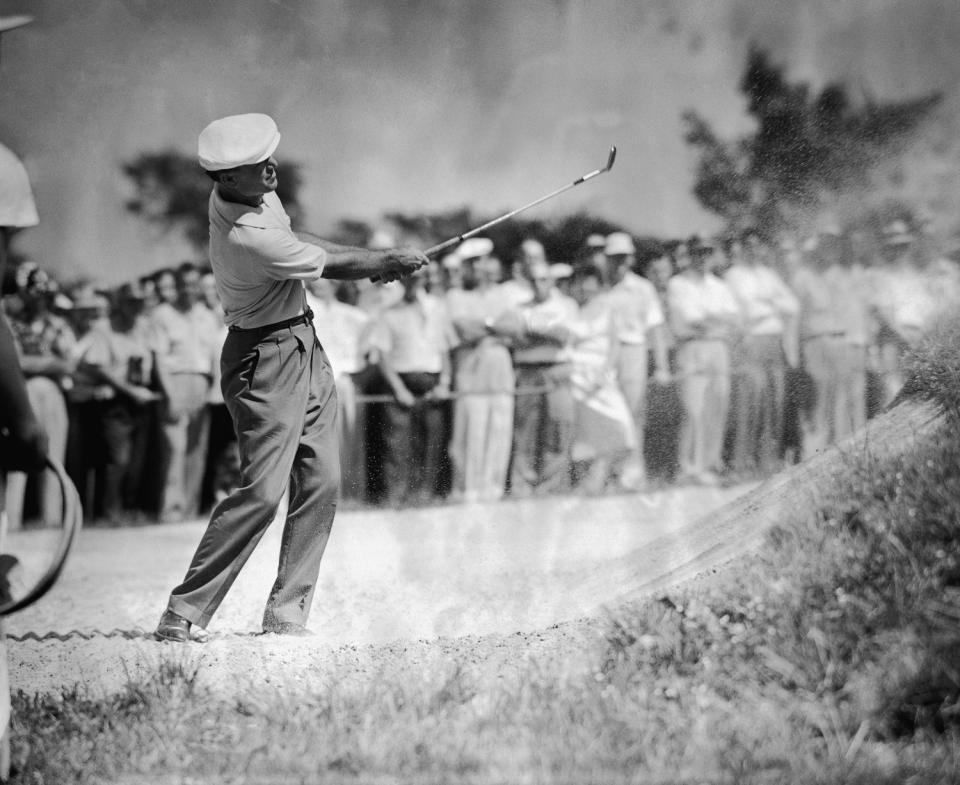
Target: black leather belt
(304,318)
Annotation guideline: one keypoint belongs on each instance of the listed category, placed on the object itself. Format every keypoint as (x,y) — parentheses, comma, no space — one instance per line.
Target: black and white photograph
(480,391)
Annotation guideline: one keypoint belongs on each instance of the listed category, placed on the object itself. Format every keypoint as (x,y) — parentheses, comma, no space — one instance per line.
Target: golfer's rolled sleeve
(279,254)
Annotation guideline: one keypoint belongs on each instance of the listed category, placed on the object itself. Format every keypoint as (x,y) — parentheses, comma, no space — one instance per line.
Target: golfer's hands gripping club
(399,263)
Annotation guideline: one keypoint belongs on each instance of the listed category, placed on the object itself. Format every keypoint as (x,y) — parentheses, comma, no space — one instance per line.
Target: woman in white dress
(605,433)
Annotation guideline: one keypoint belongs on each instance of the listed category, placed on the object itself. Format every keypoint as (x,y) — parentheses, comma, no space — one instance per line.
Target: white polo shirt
(636,309)
(414,336)
(259,264)
(764,299)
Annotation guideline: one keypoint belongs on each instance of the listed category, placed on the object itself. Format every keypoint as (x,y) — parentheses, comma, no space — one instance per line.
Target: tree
(807,148)
(171,191)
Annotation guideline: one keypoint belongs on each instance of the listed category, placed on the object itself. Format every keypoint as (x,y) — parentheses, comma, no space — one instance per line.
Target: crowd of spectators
(706,360)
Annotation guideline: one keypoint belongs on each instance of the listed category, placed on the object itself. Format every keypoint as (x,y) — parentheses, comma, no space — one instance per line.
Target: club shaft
(506,216)
(461,237)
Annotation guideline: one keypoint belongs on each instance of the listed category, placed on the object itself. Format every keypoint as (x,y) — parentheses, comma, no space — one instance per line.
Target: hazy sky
(420,104)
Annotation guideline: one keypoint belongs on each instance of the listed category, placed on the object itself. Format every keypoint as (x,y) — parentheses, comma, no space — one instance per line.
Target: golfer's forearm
(354,263)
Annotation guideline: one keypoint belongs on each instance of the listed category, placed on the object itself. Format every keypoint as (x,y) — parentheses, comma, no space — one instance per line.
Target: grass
(829,657)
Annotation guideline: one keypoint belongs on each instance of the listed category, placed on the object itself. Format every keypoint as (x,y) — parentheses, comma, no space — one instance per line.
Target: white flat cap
(619,243)
(473,247)
(237,140)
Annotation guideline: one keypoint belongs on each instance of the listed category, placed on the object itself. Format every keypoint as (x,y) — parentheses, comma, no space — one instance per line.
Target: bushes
(848,620)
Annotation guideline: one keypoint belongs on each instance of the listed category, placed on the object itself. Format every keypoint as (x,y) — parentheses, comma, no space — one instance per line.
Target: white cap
(619,243)
(238,140)
(473,247)
(560,270)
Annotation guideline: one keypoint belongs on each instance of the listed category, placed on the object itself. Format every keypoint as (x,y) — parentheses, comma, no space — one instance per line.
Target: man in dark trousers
(276,381)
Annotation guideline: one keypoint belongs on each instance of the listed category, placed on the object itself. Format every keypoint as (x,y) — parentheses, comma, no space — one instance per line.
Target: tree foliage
(807,147)
(171,191)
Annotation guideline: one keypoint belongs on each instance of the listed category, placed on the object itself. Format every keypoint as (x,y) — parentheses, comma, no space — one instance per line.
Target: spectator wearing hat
(704,318)
(452,267)
(605,432)
(544,416)
(44,342)
(342,330)
(639,325)
(412,341)
(594,256)
(760,356)
(277,383)
(483,380)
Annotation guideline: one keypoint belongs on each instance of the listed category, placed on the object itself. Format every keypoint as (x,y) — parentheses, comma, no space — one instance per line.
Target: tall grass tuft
(933,367)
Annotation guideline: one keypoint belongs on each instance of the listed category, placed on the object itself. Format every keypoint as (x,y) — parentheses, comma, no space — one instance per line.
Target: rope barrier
(86,635)
(455,394)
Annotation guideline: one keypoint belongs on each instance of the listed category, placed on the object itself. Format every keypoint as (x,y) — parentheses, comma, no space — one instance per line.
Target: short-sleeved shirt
(259,264)
(635,309)
(541,318)
(414,336)
(763,297)
(125,355)
(341,329)
(692,299)
(178,341)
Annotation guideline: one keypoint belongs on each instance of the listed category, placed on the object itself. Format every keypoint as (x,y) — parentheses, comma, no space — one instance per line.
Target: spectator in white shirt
(412,340)
(704,317)
(543,421)
(484,380)
(760,356)
(638,324)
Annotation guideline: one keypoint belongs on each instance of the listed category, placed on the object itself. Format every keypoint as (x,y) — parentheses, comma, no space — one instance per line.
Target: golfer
(276,381)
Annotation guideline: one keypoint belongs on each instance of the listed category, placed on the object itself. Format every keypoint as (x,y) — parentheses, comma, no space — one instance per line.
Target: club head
(610,159)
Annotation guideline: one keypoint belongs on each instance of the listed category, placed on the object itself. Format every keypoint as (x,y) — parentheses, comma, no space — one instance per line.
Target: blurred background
(435,105)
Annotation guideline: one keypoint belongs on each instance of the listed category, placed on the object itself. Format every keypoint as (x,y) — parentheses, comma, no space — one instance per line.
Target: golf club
(461,237)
